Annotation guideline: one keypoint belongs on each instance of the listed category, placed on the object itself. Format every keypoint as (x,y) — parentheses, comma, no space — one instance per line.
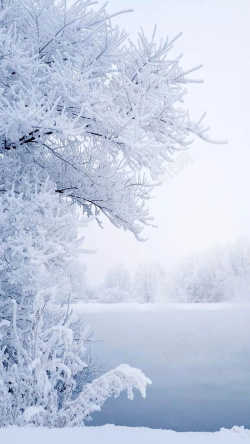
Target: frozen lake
(198,357)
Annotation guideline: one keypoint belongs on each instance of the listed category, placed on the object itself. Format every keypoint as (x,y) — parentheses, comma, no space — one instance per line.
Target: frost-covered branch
(80,100)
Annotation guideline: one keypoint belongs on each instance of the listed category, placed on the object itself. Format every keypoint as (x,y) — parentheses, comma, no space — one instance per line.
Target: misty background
(207,201)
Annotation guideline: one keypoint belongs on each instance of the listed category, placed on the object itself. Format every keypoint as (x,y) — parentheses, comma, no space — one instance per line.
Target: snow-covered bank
(110,434)
(197,356)
(82,308)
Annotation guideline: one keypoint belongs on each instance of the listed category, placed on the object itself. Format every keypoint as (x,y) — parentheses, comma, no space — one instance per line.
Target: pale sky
(208,201)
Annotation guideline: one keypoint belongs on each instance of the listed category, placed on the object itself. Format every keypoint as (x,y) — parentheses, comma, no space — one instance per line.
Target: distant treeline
(219,274)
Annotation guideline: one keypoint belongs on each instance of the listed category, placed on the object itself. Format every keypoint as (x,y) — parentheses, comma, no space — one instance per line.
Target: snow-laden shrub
(113,295)
(45,375)
(40,367)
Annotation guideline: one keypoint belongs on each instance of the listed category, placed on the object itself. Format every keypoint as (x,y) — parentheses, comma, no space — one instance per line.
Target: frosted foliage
(46,375)
(100,115)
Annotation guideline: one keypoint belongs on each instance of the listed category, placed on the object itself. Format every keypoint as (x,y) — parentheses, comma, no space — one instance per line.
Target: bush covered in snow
(46,377)
(113,295)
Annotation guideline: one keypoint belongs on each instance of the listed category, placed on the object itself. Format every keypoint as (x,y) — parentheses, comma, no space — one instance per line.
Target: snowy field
(198,357)
(122,435)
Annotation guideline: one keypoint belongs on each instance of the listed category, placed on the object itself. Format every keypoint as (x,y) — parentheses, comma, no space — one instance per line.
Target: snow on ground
(197,355)
(110,434)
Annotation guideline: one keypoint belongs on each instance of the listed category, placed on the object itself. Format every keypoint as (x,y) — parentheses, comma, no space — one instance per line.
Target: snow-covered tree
(198,278)
(100,116)
(220,274)
(149,282)
(85,117)
(237,281)
(117,277)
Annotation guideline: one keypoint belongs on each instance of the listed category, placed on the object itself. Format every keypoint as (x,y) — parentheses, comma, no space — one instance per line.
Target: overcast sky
(208,201)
